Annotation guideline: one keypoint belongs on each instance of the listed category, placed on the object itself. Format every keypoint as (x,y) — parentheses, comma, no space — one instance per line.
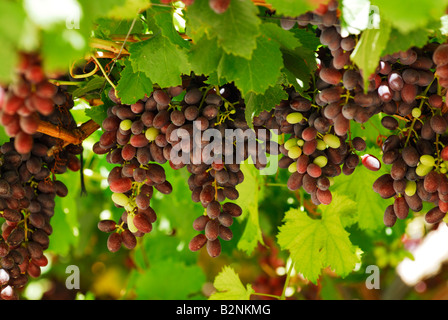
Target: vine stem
(288,276)
(75,137)
(105,74)
(108,45)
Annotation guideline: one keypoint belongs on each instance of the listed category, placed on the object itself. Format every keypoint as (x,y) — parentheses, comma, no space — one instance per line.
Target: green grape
(332,140)
(126,125)
(294,152)
(300,142)
(321,161)
(130,222)
(120,199)
(294,117)
(411,188)
(427,160)
(151,133)
(290,143)
(416,112)
(292,167)
(321,145)
(422,169)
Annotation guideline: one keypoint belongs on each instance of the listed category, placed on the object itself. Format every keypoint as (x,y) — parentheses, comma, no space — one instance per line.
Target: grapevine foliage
(353,114)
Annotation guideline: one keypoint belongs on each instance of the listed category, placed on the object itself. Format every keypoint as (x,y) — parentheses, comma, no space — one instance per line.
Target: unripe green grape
(422,170)
(151,133)
(294,117)
(332,141)
(442,165)
(321,161)
(443,170)
(294,152)
(427,160)
(290,143)
(130,222)
(292,167)
(126,125)
(331,180)
(300,142)
(411,188)
(120,199)
(416,112)
(321,145)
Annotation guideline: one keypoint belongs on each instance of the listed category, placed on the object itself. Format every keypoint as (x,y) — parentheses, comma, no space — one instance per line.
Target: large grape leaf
(368,51)
(160,19)
(402,42)
(256,74)
(229,286)
(205,55)
(133,86)
(370,206)
(317,243)
(236,29)
(168,280)
(293,8)
(408,15)
(250,192)
(161,60)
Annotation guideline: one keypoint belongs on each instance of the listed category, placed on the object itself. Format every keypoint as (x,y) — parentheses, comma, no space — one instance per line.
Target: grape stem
(76,136)
(108,45)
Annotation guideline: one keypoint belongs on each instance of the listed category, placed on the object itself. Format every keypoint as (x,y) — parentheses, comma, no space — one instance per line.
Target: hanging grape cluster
(162,128)
(409,94)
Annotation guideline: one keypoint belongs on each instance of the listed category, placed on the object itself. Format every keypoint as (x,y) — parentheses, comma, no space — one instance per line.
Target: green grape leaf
(370,206)
(256,74)
(106,27)
(256,103)
(236,29)
(133,86)
(229,286)
(292,8)
(343,206)
(161,60)
(250,193)
(97,113)
(408,15)
(86,87)
(128,10)
(402,42)
(161,281)
(368,51)
(317,243)
(205,55)
(161,19)
(284,38)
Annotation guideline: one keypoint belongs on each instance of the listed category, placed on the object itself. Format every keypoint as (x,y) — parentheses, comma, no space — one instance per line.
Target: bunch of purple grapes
(405,89)
(28,189)
(413,103)
(171,126)
(28,98)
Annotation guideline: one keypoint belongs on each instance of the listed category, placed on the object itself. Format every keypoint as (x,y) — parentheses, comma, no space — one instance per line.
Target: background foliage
(330,247)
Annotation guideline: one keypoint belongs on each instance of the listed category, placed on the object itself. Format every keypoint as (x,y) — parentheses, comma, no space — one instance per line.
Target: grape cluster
(410,96)
(133,139)
(26,99)
(27,199)
(413,113)
(184,126)
(319,147)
